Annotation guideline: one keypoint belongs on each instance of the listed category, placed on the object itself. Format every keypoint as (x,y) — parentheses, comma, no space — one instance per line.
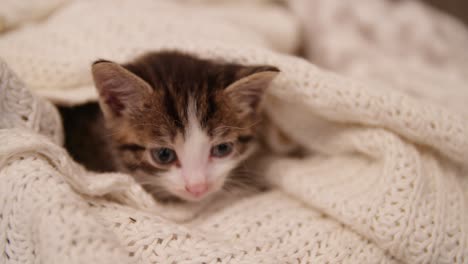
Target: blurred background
(457,8)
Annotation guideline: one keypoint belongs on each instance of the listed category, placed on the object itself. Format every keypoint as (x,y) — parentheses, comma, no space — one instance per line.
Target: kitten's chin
(190,198)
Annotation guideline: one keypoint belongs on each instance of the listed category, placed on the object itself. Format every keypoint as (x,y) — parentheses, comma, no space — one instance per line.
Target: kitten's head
(181,124)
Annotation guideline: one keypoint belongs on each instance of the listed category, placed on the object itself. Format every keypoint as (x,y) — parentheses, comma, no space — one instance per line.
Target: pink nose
(197,190)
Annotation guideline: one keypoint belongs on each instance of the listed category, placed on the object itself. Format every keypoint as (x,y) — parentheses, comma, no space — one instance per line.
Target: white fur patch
(195,152)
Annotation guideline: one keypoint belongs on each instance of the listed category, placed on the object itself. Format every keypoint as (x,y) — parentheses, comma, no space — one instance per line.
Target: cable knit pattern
(387,182)
(21,109)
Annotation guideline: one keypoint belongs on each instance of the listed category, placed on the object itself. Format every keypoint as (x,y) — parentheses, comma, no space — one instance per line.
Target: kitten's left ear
(247,92)
(119,89)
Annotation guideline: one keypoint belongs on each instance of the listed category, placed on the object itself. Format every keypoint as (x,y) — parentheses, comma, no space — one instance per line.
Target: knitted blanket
(387,183)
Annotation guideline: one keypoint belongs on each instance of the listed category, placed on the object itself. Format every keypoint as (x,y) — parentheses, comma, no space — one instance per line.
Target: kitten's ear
(119,89)
(247,92)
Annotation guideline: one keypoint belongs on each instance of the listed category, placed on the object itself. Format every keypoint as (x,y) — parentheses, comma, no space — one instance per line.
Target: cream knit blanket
(387,182)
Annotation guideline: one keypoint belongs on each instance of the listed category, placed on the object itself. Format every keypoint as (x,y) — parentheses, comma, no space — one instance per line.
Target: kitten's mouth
(185,195)
(196,193)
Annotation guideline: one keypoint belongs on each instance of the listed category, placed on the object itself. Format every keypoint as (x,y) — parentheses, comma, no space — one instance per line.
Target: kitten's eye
(163,155)
(221,150)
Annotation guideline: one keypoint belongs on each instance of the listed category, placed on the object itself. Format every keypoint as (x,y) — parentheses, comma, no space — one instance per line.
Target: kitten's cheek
(173,180)
(218,184)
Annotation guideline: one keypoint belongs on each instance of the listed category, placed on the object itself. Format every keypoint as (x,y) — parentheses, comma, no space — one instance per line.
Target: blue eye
(163,155)
(221,150)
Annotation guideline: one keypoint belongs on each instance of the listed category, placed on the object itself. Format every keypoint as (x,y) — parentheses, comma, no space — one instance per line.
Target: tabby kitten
(180,124)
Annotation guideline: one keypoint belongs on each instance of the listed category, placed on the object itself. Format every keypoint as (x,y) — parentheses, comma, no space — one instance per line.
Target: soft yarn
(387,183)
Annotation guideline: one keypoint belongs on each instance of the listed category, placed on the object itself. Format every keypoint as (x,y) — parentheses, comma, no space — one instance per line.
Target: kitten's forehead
(180,80)
(172,115)
(172,122)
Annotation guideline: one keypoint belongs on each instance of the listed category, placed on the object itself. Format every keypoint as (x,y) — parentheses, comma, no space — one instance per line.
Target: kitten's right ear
(119,89)
(247,92)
